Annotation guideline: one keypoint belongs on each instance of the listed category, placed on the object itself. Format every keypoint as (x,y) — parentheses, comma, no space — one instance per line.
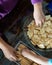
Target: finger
(39,23)
(43,21)
(13,57)
(16,54)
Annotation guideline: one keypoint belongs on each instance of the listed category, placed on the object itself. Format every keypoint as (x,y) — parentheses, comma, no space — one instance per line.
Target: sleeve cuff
(35,1)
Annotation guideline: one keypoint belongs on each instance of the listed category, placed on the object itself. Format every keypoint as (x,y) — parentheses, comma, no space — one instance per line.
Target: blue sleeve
(50,62)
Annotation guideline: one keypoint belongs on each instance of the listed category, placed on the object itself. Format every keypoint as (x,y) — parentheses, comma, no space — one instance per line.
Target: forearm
(3,44)
(34,57)
(9,52)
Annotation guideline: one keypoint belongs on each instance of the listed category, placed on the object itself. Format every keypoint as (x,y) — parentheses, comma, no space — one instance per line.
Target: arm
(34,57)
(8,51)
(38,12)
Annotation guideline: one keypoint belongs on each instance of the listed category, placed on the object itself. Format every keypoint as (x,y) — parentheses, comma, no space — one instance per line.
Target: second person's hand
(38,14)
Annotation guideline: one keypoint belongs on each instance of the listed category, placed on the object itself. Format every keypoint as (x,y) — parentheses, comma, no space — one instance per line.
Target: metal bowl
(43,52)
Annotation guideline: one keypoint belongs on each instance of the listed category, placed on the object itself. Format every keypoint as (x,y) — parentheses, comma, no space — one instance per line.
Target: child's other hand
(38,14)
(39,17)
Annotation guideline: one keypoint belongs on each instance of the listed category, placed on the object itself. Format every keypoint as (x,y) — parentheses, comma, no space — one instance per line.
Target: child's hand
(38,14)
(39,17)
(9,52)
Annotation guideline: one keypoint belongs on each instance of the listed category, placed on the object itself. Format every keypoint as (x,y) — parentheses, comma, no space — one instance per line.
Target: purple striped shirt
(7,5)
